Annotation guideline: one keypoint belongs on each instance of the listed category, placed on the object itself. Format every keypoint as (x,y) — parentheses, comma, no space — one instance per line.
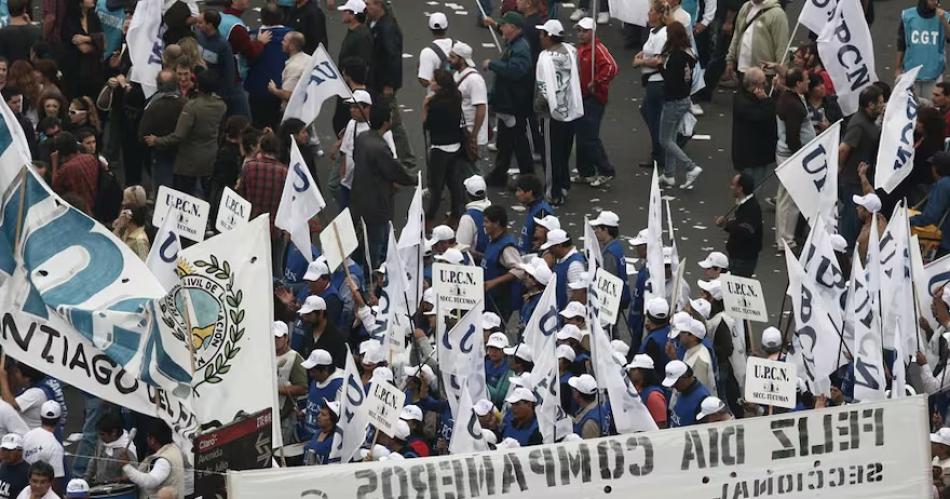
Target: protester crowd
(212,120)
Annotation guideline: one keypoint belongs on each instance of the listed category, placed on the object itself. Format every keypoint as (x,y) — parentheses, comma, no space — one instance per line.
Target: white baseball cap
(437,20)
(549,222)
(317,269)
(442,233)
(452,256)
(402,431)
(312,304)
(942,437)
(382,373)
(675,369)
(552,27)
(279,328)
(464,51)
(497,340)
(771,337)
(411,413)
(582,283)
(538,269)
(714,288)
(680,321)
(474,185)
(522,351)
(641,238)
(508,443)
(570,331)
(608,218)
(565,352)
(555,237)
(333,406)
(693,327)
(483,407)
(869,201)
(354,6)
(361,97)
(641,361)
(658,307)
(715,259)
(709,406)
(573,309)
(318,357)
(51,410)
(428,296)
(701,306)
(620,347)
(490,320)
(585,383)
(77,487)
(586,24)
(521,394)
(11,441)
(424,373)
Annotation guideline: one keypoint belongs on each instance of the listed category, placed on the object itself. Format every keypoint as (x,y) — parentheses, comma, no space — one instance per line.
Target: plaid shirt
(79,176)
(262,183)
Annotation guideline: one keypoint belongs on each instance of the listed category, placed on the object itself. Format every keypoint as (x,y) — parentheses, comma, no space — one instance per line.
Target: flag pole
(593,40)
(491,29)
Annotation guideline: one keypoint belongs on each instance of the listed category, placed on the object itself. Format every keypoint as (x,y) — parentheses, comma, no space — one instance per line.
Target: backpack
(444,63)
(108,196)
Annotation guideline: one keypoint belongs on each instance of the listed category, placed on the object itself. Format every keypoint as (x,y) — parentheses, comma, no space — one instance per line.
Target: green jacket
(196,136)
(357,43)
(770,38)
(513,90)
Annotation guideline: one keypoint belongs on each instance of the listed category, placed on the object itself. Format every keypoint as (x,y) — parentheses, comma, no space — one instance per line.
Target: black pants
(190,185)
(265,111)
(717,64)
(510,141)
(558,142)
(446,169)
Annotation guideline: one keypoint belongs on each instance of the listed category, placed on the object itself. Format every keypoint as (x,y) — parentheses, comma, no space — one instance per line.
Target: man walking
(745,229)
(474,92)
(794,130)
(358,42)
(597,69)
(435,55)
(387,72)
(753,127)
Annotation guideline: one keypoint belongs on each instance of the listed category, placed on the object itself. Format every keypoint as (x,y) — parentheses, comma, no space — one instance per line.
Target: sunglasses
(74,112)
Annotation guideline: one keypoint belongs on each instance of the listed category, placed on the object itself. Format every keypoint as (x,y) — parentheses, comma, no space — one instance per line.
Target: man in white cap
(291,380)
(537,274)
(435,55)
(597,68)
(657,327)
(940,455)
(572,336)
(642,374)
(413,417)
(41,444)
(358,41)
(488,417)
(691,334)
(558,103)
(772,343)
(500,261)
(868,209)
(443,239)
(497,370)
(325,384)
(589,420)
(715,264)
(689,393)
(607,230)
(360,105)
(521,423)
(637,292)
(529,191)
(728,344)
(320,331)
(713,410)
(540,235)
(569,263)
(398,442)
(565,364)
(14,472)
(470,232)
(77,488)
(522,358)
(474,92)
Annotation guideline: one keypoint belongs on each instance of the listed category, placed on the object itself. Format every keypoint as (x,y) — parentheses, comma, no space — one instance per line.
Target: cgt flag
(811,176)
(145,44)
(300,201)
(847,51)
(895,155)
(324,81)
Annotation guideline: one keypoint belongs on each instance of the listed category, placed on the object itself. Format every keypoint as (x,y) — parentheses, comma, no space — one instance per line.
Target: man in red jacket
(597,69)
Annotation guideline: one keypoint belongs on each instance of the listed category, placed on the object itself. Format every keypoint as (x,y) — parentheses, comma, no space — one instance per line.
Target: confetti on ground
(488,45)
(701,137)
(567,5)
(432,3)
(407,56)
(699,227)
(594,200)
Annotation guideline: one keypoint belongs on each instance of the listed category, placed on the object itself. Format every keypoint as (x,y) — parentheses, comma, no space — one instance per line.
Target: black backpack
(108,196)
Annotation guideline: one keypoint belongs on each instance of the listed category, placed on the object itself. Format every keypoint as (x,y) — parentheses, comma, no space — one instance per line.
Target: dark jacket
(375,172)
(358,43)
(161,114)
(196,135)
(387,55)
(513,90)
(331,340)
(753,130)
(935,212)
(745,231)
(443,121)
(309,20)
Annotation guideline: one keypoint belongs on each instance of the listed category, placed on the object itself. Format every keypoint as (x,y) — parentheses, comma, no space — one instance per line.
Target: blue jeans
(90,434)
(590,149)
(651,109)
(670,121)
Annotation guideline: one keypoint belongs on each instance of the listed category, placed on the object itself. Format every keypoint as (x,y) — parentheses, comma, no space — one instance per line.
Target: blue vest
(494,375)
(269,65)
(295,264)
(688,404)
(112,21)
(658,337)
(615,250)
(491,262)
(560,269)
(635,315)
(592,415)
(307,428)
(924,40)
(320,449)
(481,238)
(53,390)
(536,210)
(527,309)
(228,22)
(522,435)
(645,394)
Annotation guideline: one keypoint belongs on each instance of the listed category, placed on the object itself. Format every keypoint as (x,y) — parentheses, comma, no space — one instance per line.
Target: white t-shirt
(429,61)
(346,148)
(25,494)
(652,48)
(474,92)
(30,402)
(10,420)
(41,445)
(745,47)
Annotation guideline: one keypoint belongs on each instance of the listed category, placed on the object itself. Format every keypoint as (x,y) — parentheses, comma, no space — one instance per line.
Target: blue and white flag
(145,45)
(354,419)
(163,256)
(462,358)
(467,435)
(540,335)
(322,80)
(847,52)
(300,201)
(895,154)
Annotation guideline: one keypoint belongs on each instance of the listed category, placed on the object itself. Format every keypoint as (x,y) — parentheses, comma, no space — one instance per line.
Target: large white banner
(878,449)
(320,81)
(847,51)
(811,176)
(895,155)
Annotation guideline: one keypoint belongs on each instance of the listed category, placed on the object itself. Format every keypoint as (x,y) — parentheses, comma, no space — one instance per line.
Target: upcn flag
(354,419)
(895,155)
(300,201)
(811,176)
(145,45)
(817,13)
(163,256)
(320,81)
(847,53)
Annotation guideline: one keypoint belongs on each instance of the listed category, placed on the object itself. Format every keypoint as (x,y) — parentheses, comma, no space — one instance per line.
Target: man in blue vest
(500,258)
(521,423)
(267,66)
(637,294)
(569,263)
(530,192)
(658,329)
(217,54)
(921,36)
(607,229)
(326,381)
(689,395)
(471,230)
(588,420)
(536,277)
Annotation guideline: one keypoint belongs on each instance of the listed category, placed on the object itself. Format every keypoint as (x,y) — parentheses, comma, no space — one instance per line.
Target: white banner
(145,45)
(320,81)
(847,51)
(300,201)
(811,176)
(458,289)
(817,13)
(771,382)
(878,449)
(743,298)
(383,403)
(630,11)
(656,284)
(609,291)
(895,154)
(233,211)
(192,212)
(867,347)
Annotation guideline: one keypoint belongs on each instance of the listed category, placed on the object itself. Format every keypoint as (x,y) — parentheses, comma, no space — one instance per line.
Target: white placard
(383,404)
(339,239)
(743,298)
(609,291)
(458,289)
(233,211)
(770,382)
(192,212)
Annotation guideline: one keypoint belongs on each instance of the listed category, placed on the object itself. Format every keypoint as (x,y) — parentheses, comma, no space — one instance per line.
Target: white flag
(392,320)
(817,13)
(847,51)
(899,384)
(412,247)
(628,410)
(927,280)
(462,358)
(163,256)
(811,177)
(863,318)
(656,284)
(674,256)
(821,264)
(320,81)
(630,11)
(351,429)
(592,247)
(896,283)
(467,433)
(299,202)
(895,155)
(540,336)
(145,45)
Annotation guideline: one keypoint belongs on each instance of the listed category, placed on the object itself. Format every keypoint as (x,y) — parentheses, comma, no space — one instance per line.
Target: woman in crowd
(652,78)
(317,449)
(130,226)
(82,68)
(83,116)
(678,64)
(22,77)
(53,105)
(442,119)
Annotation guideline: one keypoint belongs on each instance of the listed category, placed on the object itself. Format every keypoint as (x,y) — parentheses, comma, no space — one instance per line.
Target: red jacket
(605,69)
